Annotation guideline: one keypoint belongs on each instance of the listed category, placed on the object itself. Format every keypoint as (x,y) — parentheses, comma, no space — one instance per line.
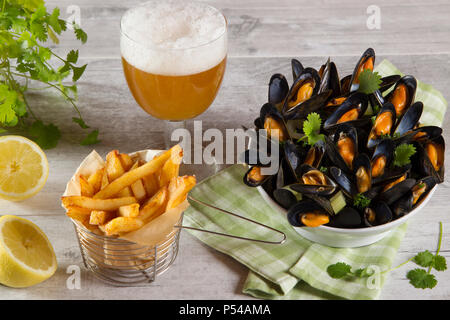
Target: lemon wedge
(26,256)
(23,168)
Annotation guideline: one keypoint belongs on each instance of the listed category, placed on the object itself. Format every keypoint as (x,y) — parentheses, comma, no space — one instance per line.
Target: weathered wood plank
(289,28)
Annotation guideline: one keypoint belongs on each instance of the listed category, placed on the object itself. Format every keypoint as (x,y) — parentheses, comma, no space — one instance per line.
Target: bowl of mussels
(352,164)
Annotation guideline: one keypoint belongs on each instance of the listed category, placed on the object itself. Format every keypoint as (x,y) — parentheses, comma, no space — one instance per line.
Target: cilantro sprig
(403,154)
(361,201)
(311,129)
(369,81)
(25,60)
(419,278)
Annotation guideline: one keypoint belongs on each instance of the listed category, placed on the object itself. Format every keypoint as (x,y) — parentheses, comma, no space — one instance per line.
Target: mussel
(286,197)
(278,90)
(273,122)
(362,169)
(313,181)
(383,125)
(307,213)
(350,111)
(346,218)
(377,214)
(254,178)
(394,190)
(329,79)
(344,147)
(432,158)
(315,154)
(367,61)
(403,94)
(297,68)
(404,128)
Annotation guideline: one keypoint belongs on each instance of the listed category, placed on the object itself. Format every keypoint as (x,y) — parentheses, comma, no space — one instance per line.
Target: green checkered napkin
(297,268)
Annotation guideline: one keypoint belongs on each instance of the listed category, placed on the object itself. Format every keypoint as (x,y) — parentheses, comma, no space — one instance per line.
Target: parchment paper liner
(157,234)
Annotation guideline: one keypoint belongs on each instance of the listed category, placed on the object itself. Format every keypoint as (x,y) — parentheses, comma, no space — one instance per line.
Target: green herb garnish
(311,129)
(25,26)
(403,153)
(369,81)
(361,201)
(419,278)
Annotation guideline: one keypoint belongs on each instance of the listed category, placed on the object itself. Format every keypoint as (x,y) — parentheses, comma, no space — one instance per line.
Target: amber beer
(173,57)
(174,97)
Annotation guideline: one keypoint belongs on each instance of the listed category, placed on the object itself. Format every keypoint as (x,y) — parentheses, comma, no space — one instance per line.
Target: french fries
(128,192)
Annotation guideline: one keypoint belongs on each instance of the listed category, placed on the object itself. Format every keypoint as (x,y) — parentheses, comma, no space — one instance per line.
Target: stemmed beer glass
(174,57)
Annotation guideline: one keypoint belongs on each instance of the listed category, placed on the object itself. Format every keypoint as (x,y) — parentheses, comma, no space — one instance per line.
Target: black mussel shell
(333,147)
(414,196)
(389,81)
(322,189)
(367,61)
(293,154)
(346,218)
(362,171)
(375,135)
(383,149)
(330,79)
(344,182)
(315,154)
(297,69)
(410,85)
(409,120)
(286,197)
(431,157)
(377,214)
(309,75)
(397,191)
(345,84)
(278,90)
(271,119)
(313,104)
(426,133)
(358,102)
(295,212)
(254,178)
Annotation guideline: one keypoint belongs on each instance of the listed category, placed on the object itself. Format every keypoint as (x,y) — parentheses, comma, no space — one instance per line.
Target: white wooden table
(263,37)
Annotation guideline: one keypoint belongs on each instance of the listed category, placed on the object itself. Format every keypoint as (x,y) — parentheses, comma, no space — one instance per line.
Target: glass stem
(169,127)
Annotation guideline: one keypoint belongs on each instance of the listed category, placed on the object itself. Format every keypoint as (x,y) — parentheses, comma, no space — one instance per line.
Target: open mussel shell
(315,154)
(278,90)
(254,178)
(307,213)
(286,197)
(313,181)
(293,155)
(403,94)
(389,81)
(414,196)
(383,125)
(329,79)
(343,147)
(431,158)
(396,191)
(382,158)
(273,122)
(346,218)
(409,120)
(304,87)
(345,84)
(344,182)
(367,61)
(313,104)
(297,68)
(350,111)
(362,170)
(424,133)
(377,214)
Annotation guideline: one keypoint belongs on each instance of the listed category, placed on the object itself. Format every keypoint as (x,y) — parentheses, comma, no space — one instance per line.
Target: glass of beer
(174,57)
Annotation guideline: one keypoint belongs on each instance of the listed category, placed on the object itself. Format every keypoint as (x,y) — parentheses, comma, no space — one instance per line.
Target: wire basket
(123,263)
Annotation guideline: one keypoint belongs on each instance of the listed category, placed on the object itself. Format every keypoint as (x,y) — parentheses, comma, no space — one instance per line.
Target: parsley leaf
(92,138)
(419,278)
(46,136)
(339,270)
(403,153)
(361,201)
(369,81)
(424,259)
(311,128)
(79,33)
(439,263)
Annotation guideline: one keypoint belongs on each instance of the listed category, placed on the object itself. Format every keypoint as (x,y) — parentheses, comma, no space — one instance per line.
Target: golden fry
(105,180)
(121,225)
(131,210)
(155,206)
(95,179)
(151,184)
(171,168)
(138,187)
(113,165)
(79,214)
(126,161)
(86,189)
(132,176)
(178,190)
(99,217)
(97,204)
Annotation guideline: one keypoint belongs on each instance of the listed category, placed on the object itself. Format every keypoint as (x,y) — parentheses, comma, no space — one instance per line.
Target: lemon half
(23,168)
(26,255)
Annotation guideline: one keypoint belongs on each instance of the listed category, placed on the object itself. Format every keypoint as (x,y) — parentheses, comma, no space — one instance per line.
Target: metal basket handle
(237,216)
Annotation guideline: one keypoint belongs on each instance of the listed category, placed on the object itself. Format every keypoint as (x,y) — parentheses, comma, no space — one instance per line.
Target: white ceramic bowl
(347,238)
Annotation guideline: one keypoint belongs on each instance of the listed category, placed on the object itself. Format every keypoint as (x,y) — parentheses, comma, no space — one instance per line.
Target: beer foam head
(173,38)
